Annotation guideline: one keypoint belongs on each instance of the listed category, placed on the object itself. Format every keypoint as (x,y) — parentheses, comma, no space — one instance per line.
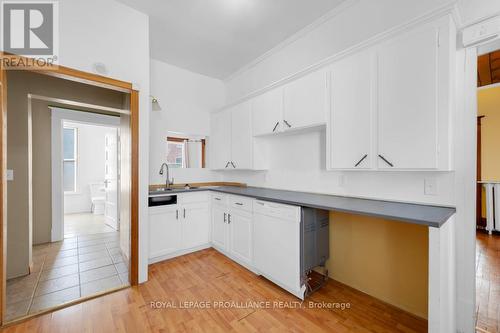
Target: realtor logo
(30,29)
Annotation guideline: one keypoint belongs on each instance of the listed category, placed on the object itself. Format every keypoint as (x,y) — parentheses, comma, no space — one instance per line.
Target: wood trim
(134,200)
(3,192)
(73,75)
(94,80)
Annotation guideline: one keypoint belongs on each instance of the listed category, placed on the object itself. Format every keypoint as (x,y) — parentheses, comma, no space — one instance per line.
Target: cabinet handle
(184,212)
(225,217)
(361,160)
(228,218)
(176,214)
(386,161)
(234,166)
(227,164)
(218,199)
(287,124)
(239,203)
(276,126)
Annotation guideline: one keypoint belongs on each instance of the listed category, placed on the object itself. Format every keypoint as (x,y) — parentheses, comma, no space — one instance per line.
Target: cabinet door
(407,100)
(164,230)
(195,225)
(240,235)
(241,137)
(220,139)
(267,110)
(306,101)
(350,128)
(219,226)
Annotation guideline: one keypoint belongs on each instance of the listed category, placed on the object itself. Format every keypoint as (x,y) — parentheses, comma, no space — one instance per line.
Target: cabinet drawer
(242,203)
(185,198)
(281,211)
(219,199)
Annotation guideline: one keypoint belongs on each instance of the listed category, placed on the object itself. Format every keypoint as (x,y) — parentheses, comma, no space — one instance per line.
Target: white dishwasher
(277,244)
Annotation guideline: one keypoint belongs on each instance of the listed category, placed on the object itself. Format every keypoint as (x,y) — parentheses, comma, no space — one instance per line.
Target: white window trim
(75,159)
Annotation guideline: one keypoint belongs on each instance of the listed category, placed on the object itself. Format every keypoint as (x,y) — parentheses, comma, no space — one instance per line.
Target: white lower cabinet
(232,227)
(164,230)
(179,228)
(240,235)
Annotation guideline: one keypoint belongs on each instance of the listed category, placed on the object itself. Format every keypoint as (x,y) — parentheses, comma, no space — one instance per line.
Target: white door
(164,230)
(267,110)
(219,226)
(240,231)
(111,179)
(407,101)
(221,140)
(306,101)
(195,226)
(241,137)
(350,127)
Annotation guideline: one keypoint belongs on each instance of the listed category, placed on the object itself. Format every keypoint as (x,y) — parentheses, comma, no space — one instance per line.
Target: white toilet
(97,197)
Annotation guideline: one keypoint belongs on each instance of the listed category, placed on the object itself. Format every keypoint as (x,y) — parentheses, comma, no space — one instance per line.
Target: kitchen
(317,178)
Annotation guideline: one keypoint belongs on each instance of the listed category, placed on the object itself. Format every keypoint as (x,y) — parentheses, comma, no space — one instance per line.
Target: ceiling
(488,69)
(218,37)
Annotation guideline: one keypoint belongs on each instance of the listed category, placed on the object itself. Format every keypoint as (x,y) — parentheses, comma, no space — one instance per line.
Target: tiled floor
(65,271)
(488,282)
(85,224)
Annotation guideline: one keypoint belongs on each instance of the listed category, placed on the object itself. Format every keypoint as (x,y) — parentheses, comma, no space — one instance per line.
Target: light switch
(10,174)
(430,186)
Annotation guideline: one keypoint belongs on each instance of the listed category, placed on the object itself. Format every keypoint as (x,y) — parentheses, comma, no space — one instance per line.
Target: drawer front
(219,199)
(281,211)
(185,198)
(242,203)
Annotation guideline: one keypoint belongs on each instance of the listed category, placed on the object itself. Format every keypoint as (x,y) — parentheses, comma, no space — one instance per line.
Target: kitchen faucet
(167,182)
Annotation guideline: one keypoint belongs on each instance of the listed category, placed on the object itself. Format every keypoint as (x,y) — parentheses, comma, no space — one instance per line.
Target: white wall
(118,36)
(476,10)
(186,99)
(90,165)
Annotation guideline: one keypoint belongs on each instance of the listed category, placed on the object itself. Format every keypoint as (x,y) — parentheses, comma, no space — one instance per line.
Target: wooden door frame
(94,80)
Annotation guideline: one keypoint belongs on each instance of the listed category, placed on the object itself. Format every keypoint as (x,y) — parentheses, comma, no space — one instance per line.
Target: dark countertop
(427,215)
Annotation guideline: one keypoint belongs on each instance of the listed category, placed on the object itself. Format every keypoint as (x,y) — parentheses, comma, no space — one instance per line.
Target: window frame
(74,159)
(181,140)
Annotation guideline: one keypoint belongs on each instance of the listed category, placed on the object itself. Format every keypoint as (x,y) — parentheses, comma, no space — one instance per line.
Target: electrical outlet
(10,175)
(430,186)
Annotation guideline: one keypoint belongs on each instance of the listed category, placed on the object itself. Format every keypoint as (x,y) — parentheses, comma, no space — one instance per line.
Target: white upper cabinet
(241,137)
(351,127)
(390,105)
(220,142)
(267,111)
(413,99)
(306,101)
(232,140)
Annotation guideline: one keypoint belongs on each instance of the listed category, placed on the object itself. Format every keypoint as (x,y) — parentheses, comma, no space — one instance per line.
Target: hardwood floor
(488,282)
(208,276)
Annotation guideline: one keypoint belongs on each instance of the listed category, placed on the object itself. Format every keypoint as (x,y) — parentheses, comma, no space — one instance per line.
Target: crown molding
(449,8)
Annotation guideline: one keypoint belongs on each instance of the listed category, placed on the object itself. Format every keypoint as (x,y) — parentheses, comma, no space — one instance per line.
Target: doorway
(488,193)
(54,144)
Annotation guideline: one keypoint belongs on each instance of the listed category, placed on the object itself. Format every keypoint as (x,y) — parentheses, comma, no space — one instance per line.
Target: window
(175,154)
(185,152)
(70,138)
